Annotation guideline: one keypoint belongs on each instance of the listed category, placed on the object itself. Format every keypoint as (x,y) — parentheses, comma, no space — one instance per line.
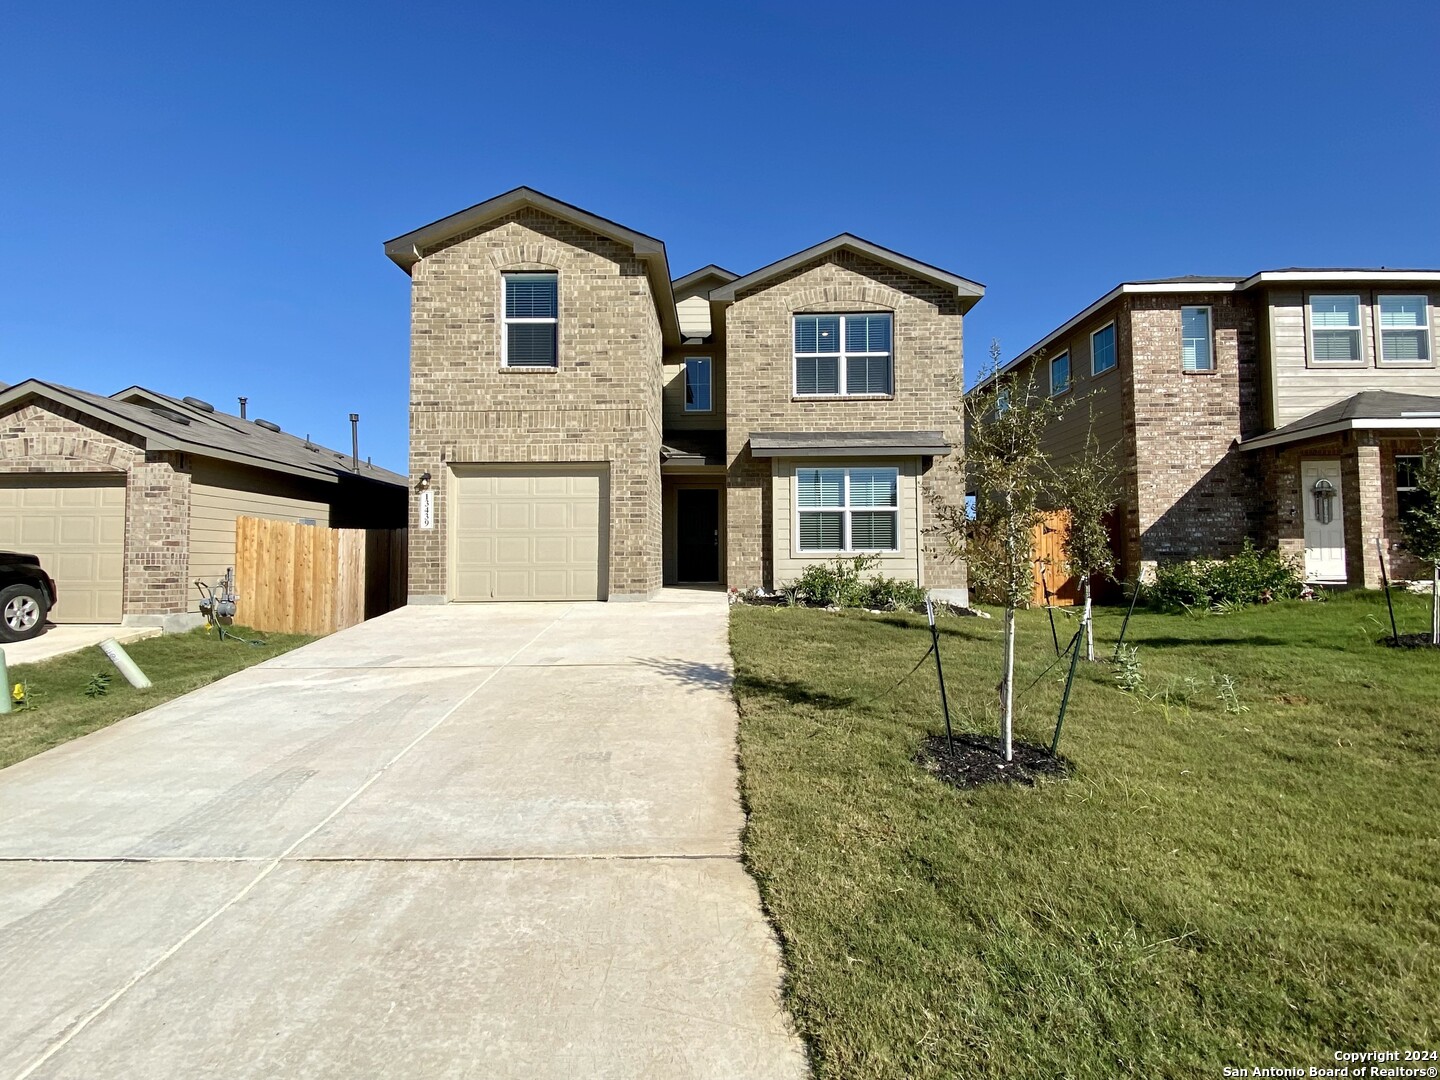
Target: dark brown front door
(697,534)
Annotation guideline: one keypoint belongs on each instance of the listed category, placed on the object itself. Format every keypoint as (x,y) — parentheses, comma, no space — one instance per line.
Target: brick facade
(601,404)
(928,365)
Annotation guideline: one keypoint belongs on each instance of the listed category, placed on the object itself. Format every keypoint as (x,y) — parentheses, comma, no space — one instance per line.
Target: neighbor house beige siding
(219,493)
(694,315)
(1298,387)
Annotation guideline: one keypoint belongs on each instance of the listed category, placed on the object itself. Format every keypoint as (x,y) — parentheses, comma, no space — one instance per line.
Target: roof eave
(1335,427)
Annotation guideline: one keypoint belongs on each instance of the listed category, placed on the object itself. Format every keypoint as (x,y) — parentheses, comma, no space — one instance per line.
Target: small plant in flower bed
(846,583)
(1251,577)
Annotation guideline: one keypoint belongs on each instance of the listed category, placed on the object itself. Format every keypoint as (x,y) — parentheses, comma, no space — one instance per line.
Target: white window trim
(1069,370)
(840,357)
(685,385)
(506,320)
(1418,459)
(844,511)
(1116,353)
(1311,360)
(1429,360)
(1210,328)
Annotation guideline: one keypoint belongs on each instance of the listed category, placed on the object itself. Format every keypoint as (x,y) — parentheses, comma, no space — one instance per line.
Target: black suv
(26,596)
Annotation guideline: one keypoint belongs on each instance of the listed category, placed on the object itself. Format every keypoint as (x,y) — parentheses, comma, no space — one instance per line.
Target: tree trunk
(1089,626)
(1007,687)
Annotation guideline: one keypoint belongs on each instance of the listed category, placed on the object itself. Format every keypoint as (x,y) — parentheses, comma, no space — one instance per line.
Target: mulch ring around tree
(978,759)
(1409,641)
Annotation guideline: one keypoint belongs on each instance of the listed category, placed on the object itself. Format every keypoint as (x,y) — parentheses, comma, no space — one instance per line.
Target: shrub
(844,583)
(1251,577)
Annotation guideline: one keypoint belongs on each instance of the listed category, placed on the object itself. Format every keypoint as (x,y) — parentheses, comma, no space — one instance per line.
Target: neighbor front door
(697,534)
(1323,509)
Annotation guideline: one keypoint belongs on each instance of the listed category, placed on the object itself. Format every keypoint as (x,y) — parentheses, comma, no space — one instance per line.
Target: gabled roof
(405,251)
(712,272)
(193,430)
(1368,410)
(969,292)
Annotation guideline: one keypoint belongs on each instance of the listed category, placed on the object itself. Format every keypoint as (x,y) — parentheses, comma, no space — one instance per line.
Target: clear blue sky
(193,197)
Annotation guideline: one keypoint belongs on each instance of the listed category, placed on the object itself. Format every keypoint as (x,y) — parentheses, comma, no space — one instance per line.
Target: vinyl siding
(221,493)
(675,416)
(1297,390)
(694,315)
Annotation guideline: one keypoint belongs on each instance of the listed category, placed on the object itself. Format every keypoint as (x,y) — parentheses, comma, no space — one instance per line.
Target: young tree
(1420,524)
(1007,473)
(1088,491)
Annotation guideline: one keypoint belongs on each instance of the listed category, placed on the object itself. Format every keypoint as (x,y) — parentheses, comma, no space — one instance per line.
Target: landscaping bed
(1243,867)
(69,696)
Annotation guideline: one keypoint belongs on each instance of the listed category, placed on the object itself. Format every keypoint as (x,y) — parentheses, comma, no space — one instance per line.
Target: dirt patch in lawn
(978,759)
(1410,641)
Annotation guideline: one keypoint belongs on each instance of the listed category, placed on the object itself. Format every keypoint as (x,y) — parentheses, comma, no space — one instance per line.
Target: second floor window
(1102,349)
(1196,351)
(843,355)
(697,384)
(530,331)
(1404,330)
(1060,374)
(1335,330)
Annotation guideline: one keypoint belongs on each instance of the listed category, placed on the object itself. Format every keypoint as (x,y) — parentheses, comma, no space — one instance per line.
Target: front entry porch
(693,529)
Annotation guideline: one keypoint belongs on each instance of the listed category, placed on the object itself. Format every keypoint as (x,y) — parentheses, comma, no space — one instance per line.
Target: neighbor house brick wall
(602,403)
(928,365)
(52,438)
(1195,495)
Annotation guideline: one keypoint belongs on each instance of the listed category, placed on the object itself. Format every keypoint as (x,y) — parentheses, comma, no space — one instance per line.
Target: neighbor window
(848,509)
(1060,374)
(842,355)
(532,320)
(1407,484)
(1404,330)
(1102,349)
(697,384)
(1335,330)
(1196,350)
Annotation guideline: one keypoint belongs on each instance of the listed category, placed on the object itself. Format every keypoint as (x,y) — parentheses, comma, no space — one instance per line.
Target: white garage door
(528,534)
(76,524)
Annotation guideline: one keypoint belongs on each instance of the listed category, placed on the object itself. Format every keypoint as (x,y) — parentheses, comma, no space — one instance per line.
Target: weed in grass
(98,686)
(1228,695)
(1129,675)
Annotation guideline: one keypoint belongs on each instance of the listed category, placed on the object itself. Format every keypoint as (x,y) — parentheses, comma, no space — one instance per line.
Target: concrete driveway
(483,841)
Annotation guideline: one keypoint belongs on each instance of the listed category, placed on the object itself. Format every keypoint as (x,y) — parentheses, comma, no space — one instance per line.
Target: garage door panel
(76,525)
(528,534)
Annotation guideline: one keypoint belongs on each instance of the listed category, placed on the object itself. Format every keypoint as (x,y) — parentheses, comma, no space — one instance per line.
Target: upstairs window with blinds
(1102,349)
(1404,329)
(1335,330)
(843,355)
(532,320)
(1197,351)
(847,509)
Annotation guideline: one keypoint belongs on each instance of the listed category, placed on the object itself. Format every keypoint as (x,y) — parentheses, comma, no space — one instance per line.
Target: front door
(1323,510)
(697,534)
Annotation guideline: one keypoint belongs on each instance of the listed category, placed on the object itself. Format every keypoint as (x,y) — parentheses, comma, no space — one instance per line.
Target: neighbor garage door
(76,524)
(528,534)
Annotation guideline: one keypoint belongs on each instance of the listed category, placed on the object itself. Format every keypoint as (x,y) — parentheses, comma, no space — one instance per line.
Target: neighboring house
(1287,406)
(590,429)
(128,499)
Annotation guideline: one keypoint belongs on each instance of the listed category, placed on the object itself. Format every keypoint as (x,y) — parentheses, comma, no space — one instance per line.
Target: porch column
(1364,510)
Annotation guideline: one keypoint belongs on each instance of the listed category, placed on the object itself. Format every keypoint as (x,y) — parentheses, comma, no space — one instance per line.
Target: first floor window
(530,329)
(1335,330)
(844,509)
(1407,483)
(843,355)
(1060,374)
(1102,349)
(697,384)
(1196,353)
(1404,330)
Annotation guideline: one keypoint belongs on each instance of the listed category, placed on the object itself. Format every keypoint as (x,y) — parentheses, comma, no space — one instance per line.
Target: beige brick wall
(53,438)
(602,404)
(928,366)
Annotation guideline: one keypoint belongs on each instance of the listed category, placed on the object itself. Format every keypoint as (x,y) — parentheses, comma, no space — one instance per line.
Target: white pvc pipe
(121,659)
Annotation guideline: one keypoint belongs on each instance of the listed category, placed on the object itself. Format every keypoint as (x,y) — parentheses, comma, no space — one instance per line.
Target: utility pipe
(5,699)
(121,659)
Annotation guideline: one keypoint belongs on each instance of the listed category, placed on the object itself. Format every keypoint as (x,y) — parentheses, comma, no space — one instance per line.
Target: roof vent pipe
(355,442)
(243,400)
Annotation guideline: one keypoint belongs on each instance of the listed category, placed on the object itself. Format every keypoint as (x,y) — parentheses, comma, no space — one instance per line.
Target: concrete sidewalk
(481,841)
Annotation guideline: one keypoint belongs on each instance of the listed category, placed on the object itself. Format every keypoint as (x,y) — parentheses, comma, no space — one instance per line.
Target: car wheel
(22,612)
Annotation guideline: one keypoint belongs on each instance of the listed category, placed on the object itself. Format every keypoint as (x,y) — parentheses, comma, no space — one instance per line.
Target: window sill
(1337,365)
(1415,365)
(1108,371)
(548,370)
(1199,371)
(842,397)
(879,553)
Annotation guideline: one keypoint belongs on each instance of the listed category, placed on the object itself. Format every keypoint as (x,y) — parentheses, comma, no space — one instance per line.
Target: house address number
(427,509)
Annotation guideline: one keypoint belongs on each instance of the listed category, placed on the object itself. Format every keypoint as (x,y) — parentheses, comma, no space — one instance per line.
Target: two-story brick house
(1286,407)
(585,427)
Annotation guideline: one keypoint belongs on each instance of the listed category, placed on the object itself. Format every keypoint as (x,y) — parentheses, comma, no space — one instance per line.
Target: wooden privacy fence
(308,579)
(1050,563)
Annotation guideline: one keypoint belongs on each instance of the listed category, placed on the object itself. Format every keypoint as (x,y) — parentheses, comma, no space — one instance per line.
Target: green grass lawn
(175,663)
(1210,888)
